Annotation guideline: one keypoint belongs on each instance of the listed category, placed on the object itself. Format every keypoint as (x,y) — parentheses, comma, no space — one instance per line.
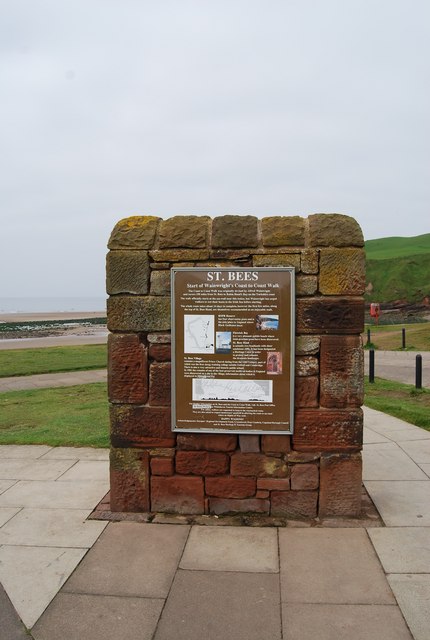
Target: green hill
(398,269)
(395,247)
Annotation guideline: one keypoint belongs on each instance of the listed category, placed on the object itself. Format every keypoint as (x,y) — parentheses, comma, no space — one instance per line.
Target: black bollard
(403,338)
(368,336)
(418,372)
(371,365)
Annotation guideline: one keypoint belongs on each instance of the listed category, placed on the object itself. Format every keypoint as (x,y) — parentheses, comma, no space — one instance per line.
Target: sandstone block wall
(314,472)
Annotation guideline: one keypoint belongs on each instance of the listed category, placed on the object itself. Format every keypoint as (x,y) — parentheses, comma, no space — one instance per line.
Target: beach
(38,335)
(57,315)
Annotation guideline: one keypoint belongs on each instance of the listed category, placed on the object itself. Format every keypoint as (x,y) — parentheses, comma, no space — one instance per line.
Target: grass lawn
(68,416)
(26,362)
(400,400)
(389,337)
(78,416)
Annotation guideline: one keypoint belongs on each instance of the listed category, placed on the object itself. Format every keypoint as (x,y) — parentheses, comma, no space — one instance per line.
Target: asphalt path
(399,366)
(99,337)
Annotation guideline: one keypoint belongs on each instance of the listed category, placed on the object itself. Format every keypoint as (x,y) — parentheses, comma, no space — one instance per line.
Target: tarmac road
(98,337)
(399,366)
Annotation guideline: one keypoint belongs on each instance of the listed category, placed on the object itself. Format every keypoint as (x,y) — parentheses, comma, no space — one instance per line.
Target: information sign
(232,349)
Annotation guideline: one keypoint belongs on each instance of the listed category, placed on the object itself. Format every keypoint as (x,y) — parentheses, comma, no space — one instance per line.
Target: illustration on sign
(232,356)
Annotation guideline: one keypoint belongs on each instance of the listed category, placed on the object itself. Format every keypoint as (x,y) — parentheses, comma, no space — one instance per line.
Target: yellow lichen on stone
(275,467)
(135,232)
(342,272)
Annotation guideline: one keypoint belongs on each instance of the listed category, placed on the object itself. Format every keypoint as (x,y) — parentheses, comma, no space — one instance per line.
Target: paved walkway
(44,380)
(68,577)
(99,337)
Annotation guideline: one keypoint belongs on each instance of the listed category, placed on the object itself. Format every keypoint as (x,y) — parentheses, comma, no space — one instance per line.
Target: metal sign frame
(233,337)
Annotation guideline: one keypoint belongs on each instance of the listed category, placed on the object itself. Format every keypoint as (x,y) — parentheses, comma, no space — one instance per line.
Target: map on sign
(232,390)
(199,333)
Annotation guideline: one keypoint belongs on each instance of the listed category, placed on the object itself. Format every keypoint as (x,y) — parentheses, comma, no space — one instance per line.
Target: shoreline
(51,315)
(34,335)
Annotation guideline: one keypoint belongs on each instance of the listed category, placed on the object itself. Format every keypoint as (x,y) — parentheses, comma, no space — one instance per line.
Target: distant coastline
(45,307)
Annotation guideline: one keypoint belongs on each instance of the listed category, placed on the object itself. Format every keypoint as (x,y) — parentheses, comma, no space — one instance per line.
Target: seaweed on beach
(46,328)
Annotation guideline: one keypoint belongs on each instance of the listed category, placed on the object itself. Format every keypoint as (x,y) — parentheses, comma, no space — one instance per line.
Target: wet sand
(53,336)
(34,317)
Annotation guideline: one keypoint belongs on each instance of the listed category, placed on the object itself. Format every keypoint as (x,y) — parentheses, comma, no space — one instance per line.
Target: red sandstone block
(159,384)
(177,494)
(142,427)
(340,485)
(127,369)
(329,315)
(129,480)
(294,504)
(262,494)
(160,352)
(221,506)
(249,443)
(276,444)
(200,441)
(334,430)
(162,466)
(304,477)
(127,492)
(306,392)
(257,464)
(341,371)
(230,487)
(273,484)
(201,463)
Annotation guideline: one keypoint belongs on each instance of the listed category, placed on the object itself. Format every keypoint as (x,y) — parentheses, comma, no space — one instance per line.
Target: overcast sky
(113,108)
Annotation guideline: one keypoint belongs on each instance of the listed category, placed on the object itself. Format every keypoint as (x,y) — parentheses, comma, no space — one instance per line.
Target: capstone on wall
(314,472)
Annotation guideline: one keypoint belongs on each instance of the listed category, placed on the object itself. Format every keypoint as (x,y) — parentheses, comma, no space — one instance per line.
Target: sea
(52,304)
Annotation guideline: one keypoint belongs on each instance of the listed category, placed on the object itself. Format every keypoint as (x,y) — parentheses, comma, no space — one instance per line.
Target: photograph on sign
(233,349)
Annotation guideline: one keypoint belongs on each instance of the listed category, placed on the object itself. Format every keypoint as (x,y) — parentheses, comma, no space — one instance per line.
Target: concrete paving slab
(76,453)
(87,470)
(355,622)
(41,495)
(131,559)
(52,528)
(92,617)
(231,549)
(6,484)
(424,467)
(391,427)
(413,595)
(11,626)
(402,550)
(419,450)
(370,437)
(215,604)
(23,450)
(331,566)
(32,576)
(401,503)
(6,513)
(25,469)
(407,435)
(387,461)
